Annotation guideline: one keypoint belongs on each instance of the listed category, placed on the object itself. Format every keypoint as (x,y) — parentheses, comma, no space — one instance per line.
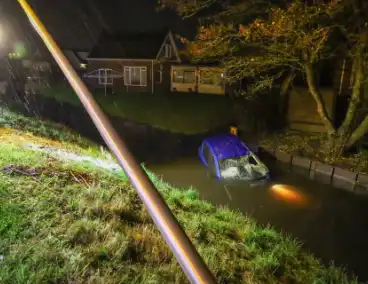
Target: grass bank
(313,146)
(64,221)
(175,112)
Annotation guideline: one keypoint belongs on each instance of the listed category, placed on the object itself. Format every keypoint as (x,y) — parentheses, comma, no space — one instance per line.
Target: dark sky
(76,23)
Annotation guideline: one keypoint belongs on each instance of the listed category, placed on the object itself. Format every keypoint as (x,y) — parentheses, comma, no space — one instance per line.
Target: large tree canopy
(265,42)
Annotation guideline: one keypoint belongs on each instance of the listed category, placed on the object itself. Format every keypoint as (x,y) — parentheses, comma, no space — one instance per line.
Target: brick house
(132,63)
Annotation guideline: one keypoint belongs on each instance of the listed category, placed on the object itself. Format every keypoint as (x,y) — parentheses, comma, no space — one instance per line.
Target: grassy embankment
(175,112)
(314,147)
(71,222)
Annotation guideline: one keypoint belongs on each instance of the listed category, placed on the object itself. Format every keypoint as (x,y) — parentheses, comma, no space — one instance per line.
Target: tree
(353,15)
(288,38)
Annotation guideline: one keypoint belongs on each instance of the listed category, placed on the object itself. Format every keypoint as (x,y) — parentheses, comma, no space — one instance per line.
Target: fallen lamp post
(174,235)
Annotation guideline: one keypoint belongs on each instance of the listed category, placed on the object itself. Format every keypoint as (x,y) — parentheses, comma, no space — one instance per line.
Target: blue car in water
(227,157)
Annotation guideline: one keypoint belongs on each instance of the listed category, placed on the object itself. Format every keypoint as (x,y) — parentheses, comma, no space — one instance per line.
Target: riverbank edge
(168,146)
(179,204)
(338,177)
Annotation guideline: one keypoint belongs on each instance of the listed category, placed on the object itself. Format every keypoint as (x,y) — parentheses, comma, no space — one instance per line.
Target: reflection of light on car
(289,193)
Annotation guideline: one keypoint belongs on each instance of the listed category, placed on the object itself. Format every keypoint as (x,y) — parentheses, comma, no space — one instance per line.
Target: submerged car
(227,157)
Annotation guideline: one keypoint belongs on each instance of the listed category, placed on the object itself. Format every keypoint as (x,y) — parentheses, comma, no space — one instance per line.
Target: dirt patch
(37,172)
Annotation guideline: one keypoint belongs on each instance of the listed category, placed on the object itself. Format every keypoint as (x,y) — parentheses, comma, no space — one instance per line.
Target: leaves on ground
(38,171)
(315,146)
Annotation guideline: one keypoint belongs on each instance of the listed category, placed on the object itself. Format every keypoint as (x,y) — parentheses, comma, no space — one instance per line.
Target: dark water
(332,224)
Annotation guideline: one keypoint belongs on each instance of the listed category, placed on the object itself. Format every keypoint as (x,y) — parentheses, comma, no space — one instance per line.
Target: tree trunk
(358,133)
(285,86)
(345,133)
(321,106)
(355,99)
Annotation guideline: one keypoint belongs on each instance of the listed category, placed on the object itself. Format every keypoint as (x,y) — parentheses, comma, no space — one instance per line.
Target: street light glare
(2,37)
(3,41)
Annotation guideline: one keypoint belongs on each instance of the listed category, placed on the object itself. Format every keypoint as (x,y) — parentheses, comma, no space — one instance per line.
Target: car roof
(226,146)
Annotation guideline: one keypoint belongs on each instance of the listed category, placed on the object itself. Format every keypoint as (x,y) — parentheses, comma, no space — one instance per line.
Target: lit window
(184,76)
(135,76)
(211,78)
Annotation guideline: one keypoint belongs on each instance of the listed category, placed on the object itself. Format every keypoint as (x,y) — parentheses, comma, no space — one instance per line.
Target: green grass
(179,113)
(71,223)
(42,128)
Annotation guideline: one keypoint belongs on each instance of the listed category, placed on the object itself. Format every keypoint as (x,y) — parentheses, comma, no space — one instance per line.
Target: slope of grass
(179,113)
(41,128)
(66,222)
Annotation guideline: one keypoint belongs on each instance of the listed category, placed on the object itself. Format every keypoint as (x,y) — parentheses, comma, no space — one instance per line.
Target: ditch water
(331,223)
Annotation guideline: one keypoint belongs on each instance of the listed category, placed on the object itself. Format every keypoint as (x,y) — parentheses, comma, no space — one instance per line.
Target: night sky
(77,23)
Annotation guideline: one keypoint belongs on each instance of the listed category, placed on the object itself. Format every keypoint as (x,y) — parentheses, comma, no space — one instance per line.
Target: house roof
(76,57)
(128,46)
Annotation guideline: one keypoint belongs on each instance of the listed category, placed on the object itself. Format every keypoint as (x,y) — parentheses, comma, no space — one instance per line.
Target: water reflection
(290,194)
(333,224)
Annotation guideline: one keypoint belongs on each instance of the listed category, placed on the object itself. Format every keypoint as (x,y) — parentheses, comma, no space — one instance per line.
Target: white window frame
(104,76)
(142,72)
(183,76)
(168,50)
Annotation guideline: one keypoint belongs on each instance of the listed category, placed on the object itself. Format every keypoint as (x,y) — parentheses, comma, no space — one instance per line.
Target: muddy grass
(313,146)
(70,221)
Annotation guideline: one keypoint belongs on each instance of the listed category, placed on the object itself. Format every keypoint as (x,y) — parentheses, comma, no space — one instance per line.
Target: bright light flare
(289,194)
(3,38)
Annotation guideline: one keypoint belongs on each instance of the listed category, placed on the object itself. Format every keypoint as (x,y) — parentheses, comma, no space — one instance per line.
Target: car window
(252,161)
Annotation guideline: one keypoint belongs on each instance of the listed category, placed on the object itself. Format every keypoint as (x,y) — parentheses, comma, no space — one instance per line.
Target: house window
(168,50)
(184,76)
(211,78)
(135,76)
(105,77)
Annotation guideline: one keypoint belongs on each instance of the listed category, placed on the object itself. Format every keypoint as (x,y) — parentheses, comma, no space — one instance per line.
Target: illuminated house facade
(199,79)
(147,63)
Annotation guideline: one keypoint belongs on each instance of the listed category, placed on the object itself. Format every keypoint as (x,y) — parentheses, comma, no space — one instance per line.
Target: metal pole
(184,251)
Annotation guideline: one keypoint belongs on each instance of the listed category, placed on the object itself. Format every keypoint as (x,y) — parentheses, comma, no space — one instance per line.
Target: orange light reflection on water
(289,194)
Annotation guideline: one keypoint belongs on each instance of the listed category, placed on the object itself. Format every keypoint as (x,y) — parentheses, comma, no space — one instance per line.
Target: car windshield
(238,161)
(244,167)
